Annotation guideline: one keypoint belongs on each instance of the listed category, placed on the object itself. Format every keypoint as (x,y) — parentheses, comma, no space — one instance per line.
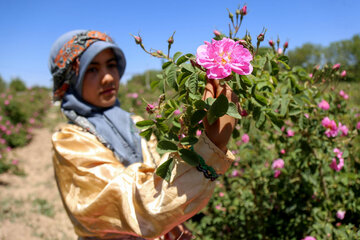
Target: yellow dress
(105,200)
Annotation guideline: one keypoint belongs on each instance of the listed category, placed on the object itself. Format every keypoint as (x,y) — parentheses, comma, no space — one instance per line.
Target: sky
(29,27)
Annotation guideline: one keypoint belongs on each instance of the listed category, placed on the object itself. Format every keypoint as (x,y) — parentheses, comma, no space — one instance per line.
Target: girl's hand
(220,131)
(180,232)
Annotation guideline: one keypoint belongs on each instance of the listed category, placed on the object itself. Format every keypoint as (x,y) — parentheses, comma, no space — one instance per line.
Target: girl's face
(101,80)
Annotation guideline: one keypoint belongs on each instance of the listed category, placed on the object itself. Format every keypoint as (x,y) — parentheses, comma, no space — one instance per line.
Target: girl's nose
(107,78)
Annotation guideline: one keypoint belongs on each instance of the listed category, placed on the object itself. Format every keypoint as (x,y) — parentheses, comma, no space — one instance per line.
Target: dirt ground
(30,205)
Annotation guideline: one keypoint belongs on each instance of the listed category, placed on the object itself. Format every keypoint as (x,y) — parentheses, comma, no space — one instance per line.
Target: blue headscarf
(113,126)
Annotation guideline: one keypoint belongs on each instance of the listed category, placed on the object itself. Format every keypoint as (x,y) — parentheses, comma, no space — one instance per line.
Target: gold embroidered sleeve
(105,199)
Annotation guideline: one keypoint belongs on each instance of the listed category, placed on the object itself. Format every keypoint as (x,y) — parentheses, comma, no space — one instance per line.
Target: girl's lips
(108,91)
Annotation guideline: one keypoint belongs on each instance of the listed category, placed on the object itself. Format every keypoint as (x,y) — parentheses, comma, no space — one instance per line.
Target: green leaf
(245,80)
(191,83)
(162,127)
(284,105)
(154,84)
(284,59)
(187,68)
(166,64)
(168,112)
(171,77)
(197,116)
(295,111)
(285,65)
(145,124)
(275,120)
(183,58)
(200,104)
(218,109)
(146,134)
(275,68)
(261,121)
(165,169)
(246,124)
(176,55)
(189,140)
(166,146)
(189,157)
(233,111)
(260,99)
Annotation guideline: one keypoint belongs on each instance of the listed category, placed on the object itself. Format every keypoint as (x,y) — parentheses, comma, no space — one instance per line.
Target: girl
(104,171)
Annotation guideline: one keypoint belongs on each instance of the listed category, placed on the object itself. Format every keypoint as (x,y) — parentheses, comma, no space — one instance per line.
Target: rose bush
(296,142)
(20,112)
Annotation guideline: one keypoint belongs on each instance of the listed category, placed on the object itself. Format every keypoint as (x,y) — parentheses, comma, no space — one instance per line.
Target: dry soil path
(30,206)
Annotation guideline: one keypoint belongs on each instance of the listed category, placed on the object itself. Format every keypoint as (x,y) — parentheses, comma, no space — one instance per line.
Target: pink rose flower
(150,108)
(344,130)
(277,173)
(177,112)
(222,57)
(280,51)
(324,105)
(343,95)
(31,120)
(198,133)
(271,43)
(245,138)
(343,74)
(336,66)
(309,238)
(221,194)
(282,151)
(235,173)
(217,33)
(358,125)
(334,165)
(243,11)
(310,75)
(340,214)
(331,128)
(278,163)
(290,133)
(6,102)
(306,115)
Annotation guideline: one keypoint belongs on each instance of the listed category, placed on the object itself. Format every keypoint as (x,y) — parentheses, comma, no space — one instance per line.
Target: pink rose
(222,57)
(358,125)
(336,66)
(235,173)
(331,128)
(309,238)
(343,74)
(280,51)
(277,173)
(150,108)
(340,214)
(306,115)
(217,33)
(324,105)
(334,165)
(198,133)
(221,194)
(290,133)
(344,130)
(278,163)
(310,75)
(245,138)
(177,112)
(282,151)
(343,95)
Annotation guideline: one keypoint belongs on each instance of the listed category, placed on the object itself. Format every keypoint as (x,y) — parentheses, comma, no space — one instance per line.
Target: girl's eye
(92,70)
(112,65)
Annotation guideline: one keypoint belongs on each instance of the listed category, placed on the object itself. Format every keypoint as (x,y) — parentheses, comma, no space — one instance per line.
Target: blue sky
(28,28)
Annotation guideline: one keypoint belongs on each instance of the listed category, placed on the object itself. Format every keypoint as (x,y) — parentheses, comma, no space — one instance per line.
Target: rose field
(296,142)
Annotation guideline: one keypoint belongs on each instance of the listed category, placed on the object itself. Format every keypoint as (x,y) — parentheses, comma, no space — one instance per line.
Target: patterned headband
(67,60)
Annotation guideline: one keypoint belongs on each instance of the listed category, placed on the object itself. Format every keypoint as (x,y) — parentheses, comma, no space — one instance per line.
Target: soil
(30,205)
